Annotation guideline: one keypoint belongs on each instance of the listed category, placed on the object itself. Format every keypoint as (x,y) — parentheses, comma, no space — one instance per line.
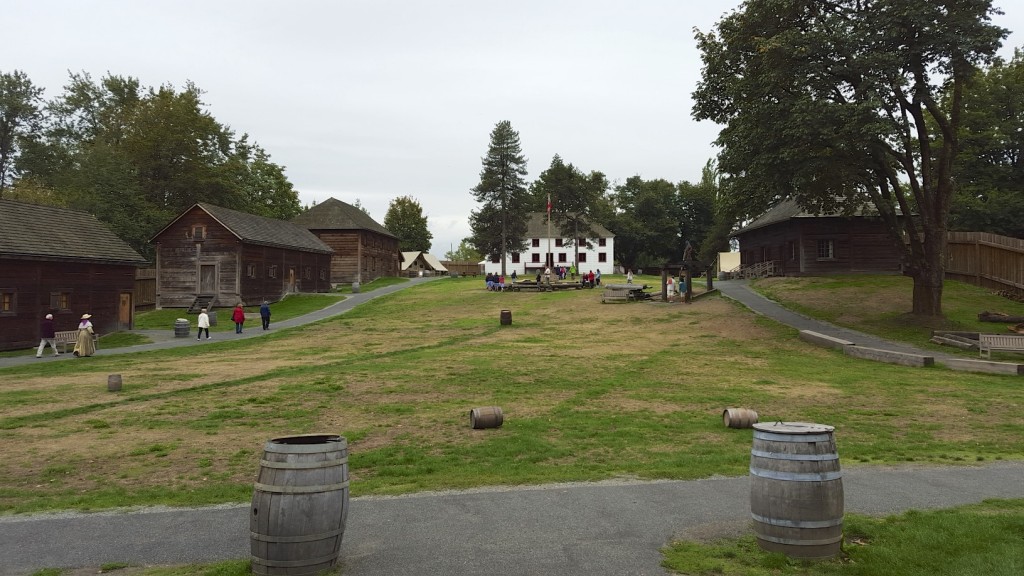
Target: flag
(549,204)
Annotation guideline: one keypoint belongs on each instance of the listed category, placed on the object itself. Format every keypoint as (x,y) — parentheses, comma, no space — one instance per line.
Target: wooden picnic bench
(989,342)
(66,337)
(625,293)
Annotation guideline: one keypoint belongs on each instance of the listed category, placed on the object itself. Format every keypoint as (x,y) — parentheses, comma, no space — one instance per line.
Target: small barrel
(739,417)
(796,490)
(486,417)
(114,383)
(181,328)
(355,287)
(506,317)
(299,505)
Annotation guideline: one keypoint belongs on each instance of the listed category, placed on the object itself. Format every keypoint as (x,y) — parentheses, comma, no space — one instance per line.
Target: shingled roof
(333,214)
(30,231)
(537,227)
(253,229)
(789,209)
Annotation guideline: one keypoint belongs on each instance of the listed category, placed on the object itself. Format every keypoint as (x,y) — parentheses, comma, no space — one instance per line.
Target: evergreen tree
(20,114)
(499,225)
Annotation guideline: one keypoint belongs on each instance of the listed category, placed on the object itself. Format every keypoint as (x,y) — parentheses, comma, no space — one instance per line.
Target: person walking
(238,317)
(265,314)
(48,334)
(203,322)
(629,276)
(85,346)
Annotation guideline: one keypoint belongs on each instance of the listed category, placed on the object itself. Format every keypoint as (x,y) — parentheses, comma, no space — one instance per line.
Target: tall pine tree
(499,225)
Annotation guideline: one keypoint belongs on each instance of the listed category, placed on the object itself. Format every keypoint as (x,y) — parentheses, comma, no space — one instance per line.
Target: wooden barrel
(181,328)
(114,383)
(739,417)
(299,505)
(506,317)
(486,417)
(796,489)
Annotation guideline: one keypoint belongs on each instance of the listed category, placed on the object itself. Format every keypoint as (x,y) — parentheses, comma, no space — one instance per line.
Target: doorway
(208,279)
(124,311)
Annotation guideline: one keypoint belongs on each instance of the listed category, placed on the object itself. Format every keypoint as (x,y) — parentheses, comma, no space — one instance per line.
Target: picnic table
(625,293)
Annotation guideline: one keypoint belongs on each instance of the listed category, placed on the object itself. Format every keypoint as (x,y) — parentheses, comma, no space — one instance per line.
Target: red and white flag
(549,203)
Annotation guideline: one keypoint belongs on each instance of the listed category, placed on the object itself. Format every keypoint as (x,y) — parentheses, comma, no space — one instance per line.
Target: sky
(370,100)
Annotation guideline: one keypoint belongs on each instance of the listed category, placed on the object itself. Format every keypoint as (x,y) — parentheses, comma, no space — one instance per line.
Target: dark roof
(253,229)
(53,233)
(537,227)
(789,209)
(333,214)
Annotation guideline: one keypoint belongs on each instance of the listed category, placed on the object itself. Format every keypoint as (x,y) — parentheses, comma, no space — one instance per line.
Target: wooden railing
(756,270)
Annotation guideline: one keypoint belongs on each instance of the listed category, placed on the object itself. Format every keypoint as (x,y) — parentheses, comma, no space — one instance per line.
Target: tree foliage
(499,225)
(405,220)
(20,115)
(464,253)
(990,166)
(830,102)
(137,157)
(575,200)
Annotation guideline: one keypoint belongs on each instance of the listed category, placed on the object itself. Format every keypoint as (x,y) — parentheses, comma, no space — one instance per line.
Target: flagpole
(550,259)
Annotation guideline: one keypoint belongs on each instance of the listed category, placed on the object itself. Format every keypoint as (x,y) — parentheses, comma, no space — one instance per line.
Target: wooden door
(208,279)
(291,280)
(124,311)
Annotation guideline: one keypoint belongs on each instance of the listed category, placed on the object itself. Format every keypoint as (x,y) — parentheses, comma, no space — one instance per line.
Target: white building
(594,253)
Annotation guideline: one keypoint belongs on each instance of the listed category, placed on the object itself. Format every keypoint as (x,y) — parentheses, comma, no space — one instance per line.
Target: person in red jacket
(238,317)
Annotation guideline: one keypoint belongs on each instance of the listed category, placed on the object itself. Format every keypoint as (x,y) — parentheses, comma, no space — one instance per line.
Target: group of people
(237,316)
(85,344)
(591,279)
(496,282)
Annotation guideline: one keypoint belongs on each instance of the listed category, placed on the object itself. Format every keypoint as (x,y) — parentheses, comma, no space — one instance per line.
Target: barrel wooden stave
(796,492)
(739,417)
(486,417)
(299,506)
(506,317)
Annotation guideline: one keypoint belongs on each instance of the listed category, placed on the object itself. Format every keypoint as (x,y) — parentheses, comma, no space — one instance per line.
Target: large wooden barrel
(114,383)
(486,417)
(181,328)
(796,489)
(739,417)
(299,505)
(506,317)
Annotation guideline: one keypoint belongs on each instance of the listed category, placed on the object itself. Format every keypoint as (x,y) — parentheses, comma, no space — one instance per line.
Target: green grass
(977,540)
(292,306)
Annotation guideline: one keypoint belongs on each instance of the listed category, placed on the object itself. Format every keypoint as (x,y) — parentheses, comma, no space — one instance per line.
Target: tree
(990,166)
(574,200)
(499,226)
(464,253)
(830,103)
(405,220)
(647,223)
(20,116)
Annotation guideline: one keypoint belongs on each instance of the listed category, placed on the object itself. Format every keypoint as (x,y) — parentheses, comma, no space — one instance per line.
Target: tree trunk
(929,276)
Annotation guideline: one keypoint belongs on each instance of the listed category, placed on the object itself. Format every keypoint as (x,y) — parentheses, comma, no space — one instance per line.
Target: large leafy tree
(647,222)
(575,200)
(831,103)
(405,219)
(990,166)
(21,105)
(464,253)
(499,225)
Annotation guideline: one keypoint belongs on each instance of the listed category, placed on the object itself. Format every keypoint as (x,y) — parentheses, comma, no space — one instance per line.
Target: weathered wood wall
(859,245)
(361,255)
(988,260)
(91,288)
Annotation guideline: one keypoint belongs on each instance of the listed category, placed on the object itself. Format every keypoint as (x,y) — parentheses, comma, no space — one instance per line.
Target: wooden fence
(987,260)
(145,288)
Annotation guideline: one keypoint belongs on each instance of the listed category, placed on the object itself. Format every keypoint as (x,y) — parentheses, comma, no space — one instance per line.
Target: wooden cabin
(216,257)
(61,262)
(793,242)
(363,249)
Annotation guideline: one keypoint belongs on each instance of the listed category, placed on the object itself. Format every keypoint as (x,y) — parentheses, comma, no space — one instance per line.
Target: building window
(535,242)
(199,233)
(561,257)
(535,258)
(515,258)
(8,301)
(583,257)
(272,271)
(601,243)
(250,270)
(323,273)
(558,243)
(602,257)
(307,273)
(495,259)
(826,250)
(60,301)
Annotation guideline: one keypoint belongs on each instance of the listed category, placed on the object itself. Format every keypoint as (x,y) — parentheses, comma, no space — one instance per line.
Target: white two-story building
(594,253)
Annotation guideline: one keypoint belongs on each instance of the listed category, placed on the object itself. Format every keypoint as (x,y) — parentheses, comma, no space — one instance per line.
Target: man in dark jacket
(265,314)
(48,335)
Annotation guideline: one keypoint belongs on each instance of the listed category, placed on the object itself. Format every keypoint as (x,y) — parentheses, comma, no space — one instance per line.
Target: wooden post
(689,286)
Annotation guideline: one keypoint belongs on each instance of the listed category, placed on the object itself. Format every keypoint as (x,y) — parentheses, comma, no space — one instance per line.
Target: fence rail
(987,260)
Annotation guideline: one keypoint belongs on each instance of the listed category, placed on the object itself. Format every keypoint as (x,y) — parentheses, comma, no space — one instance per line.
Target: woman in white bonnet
(85,346)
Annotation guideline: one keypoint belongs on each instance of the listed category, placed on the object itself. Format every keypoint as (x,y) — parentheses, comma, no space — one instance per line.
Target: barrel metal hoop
(302,538)
(330,558)
(795,457)
(305,448)
(798,523)
(792,438)
(303,465)
(796,477)
(300,489)
(796,542)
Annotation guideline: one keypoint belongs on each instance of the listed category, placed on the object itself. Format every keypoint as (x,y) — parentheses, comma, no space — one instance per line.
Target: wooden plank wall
(987,260)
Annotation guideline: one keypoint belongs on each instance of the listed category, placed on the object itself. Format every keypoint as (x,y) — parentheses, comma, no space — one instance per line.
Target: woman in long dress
(85,346)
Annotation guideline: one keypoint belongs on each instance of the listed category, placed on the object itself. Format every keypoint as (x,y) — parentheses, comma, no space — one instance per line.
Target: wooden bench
(989,342)
(66,337)
(616,295)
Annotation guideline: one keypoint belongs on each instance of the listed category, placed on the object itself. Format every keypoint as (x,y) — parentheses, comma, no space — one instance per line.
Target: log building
(363,249)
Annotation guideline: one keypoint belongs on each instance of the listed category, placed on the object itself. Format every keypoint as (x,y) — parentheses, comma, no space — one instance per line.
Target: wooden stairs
(202,301)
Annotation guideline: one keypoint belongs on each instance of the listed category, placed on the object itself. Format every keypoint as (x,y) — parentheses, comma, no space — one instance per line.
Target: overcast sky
(372,100)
